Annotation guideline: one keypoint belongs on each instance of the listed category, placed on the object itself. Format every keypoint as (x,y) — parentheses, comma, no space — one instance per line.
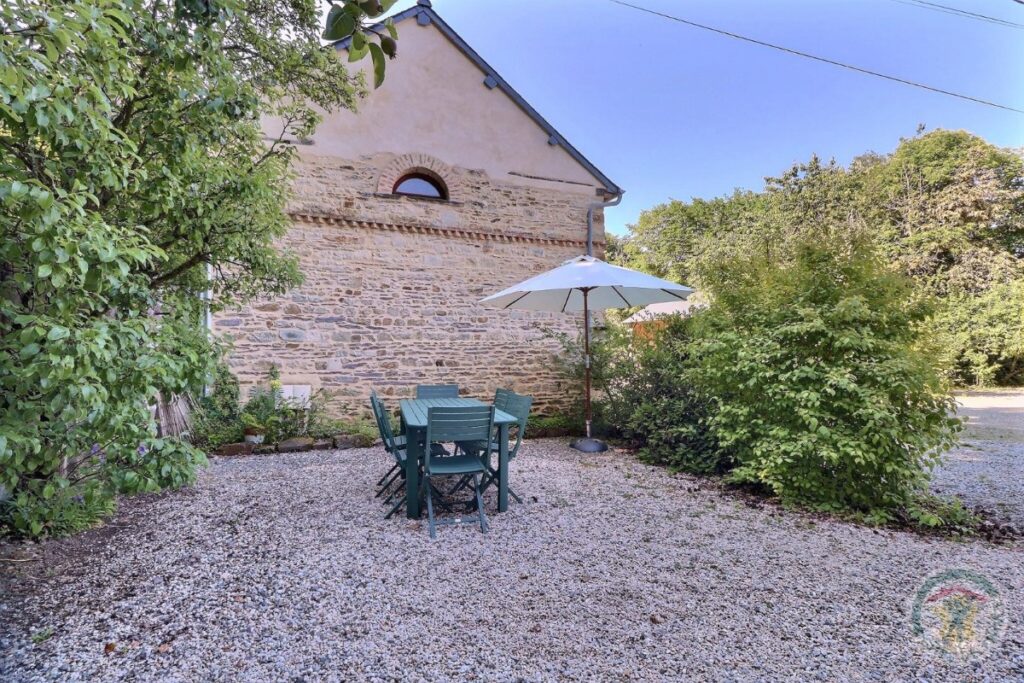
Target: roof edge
(490,73)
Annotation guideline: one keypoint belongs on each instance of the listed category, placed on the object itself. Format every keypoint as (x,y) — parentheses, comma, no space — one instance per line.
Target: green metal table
(414,415)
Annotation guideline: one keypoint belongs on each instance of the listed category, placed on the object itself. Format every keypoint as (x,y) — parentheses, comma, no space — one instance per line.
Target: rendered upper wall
(434,102)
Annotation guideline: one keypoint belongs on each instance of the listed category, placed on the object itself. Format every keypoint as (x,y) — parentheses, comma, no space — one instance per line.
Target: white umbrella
(581,284)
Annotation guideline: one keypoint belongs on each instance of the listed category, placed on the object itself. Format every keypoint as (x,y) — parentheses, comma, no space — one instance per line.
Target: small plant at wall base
(217,418)
(267,414)
(570,364)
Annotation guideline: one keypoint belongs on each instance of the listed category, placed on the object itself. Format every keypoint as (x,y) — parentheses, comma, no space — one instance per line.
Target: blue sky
(670,111)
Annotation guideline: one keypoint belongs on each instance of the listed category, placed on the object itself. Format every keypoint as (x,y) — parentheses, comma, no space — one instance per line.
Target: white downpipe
(207,298)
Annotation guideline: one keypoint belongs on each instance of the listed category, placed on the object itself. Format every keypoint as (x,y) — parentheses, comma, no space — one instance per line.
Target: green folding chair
(469,423)
(518,406)
(379,416)
(437,391)
(396,447)
(501,396)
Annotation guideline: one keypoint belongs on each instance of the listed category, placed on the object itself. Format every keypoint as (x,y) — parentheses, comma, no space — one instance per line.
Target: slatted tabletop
(414,410)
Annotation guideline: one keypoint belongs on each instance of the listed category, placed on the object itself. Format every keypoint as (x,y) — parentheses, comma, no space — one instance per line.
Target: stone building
(444,187)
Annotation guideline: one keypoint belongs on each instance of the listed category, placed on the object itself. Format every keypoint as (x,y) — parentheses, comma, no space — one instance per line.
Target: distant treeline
(945,208)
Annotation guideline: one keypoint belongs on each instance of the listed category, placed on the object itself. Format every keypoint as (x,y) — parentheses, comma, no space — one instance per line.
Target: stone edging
(459,233)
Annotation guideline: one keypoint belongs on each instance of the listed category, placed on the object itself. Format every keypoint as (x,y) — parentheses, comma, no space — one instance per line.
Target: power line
(825,60)
(946,9)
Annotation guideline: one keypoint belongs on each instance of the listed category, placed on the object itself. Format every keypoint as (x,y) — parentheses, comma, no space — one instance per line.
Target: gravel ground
(988,469)
(986,474)
(283,568)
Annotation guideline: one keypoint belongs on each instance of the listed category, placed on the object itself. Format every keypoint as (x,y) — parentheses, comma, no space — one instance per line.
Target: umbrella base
(589,445)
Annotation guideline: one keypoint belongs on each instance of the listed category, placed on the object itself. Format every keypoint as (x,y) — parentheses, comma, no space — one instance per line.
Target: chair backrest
(501,397)
(464,423)
(437,391)
(518,406)
(374,406)
(380,414)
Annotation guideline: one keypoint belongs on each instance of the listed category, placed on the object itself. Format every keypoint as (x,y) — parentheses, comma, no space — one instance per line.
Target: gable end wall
(392,285)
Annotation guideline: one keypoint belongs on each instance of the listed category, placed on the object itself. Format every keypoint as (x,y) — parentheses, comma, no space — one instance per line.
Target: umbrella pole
(586,346)
(588,444)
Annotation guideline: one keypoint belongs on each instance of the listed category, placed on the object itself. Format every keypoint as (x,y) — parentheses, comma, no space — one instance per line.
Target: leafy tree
(134,177)
(946,208)
(824,390)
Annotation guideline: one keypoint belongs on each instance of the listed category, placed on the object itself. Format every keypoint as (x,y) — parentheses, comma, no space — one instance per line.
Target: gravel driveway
(282,568)
(988,469)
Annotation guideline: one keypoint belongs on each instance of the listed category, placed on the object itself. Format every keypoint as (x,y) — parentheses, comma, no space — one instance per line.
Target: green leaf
(340,24)
(392,30)
(44,270)
(57,333)
(44,199)
(373,8)
(377,54)
(359,47)
(28,351)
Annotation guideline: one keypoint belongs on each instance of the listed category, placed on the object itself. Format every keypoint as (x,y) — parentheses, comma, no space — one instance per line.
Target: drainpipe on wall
(590,219)
(207,298)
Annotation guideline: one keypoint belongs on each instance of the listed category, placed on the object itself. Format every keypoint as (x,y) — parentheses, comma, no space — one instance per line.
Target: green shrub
(544,426)
(217,420)
(155,465)
(943,514)
(823,388)
(642,394)
(58,511)
(362,433)
(653,400)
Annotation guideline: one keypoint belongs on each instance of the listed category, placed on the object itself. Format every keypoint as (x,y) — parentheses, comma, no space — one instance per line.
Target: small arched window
(420,185)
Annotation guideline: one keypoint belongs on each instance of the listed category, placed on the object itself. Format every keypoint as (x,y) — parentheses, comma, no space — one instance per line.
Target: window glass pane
(418,186)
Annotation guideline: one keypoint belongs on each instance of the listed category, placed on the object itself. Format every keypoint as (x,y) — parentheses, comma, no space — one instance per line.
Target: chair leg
(395,508)
(386,486)
(388,474)
(397,491)
(480,504)
(491,478)
(463,483)
(430,506)
(443,502)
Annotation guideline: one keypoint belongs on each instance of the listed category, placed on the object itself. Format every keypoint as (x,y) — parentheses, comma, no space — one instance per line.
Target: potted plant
(254,431)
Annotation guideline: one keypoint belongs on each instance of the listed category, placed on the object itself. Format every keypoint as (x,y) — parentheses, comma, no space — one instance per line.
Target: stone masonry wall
(392,285)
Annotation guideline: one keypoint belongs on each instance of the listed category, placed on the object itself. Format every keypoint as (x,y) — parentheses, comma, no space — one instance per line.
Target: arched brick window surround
(419,163)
